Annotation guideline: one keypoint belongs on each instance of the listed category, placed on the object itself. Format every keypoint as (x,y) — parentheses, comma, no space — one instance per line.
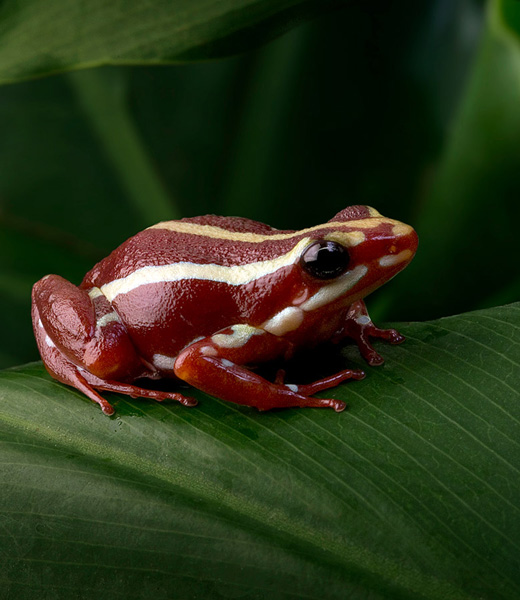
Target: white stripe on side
(236,275)
(286,320)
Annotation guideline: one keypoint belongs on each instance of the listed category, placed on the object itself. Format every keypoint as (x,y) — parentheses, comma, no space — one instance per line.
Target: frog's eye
(325,260)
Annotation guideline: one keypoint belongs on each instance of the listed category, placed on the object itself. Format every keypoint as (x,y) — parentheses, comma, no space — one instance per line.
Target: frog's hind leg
(67,372)
(60,367)
(71,376)
(84,328)
(84,344)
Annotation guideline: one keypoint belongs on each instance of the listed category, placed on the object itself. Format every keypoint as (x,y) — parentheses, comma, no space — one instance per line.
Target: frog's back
(226,241)
(168,279)
(211,239)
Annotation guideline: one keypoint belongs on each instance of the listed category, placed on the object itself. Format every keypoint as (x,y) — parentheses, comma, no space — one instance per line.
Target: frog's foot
(87,387)
(359,327)
(310,389)
(69,374)
(331,381)
(129,390)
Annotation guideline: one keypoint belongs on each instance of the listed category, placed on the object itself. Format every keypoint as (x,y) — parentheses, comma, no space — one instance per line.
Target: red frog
(203,298)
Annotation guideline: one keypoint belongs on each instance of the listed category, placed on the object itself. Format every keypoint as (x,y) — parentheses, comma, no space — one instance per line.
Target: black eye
(325,260)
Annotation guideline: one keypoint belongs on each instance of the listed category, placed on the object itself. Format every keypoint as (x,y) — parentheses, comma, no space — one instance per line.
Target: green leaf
(412,493)
(39,38)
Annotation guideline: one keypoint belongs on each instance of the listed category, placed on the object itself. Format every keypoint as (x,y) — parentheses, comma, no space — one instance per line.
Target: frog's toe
(338,405)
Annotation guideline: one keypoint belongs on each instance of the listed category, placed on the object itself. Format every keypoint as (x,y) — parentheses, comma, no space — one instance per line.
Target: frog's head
(333,265)
(352,255)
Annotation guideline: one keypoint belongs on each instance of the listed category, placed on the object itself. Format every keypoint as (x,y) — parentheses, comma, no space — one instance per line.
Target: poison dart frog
(204,299)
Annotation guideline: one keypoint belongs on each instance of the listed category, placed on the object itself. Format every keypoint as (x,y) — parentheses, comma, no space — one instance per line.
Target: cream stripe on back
(246,236)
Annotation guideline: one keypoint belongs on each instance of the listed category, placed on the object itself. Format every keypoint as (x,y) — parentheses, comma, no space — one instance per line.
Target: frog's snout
(401,249)
(410,241)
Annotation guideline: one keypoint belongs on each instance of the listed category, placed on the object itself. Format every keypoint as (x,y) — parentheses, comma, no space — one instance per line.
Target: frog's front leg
(83,343)
(359,327)
(216,365)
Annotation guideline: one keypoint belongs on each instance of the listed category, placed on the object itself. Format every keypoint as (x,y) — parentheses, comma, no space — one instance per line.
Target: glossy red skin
(163,318)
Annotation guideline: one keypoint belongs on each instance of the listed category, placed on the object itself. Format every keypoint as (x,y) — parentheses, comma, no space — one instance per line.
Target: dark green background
(407,106)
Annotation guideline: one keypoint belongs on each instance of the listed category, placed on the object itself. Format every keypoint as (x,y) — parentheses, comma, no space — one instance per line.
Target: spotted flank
(111,317)
(163,362)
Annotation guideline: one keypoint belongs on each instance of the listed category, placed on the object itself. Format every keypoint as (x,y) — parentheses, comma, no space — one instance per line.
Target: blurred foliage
(409,107)
(58,35)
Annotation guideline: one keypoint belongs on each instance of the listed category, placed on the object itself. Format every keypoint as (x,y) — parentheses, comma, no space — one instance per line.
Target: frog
(206,300)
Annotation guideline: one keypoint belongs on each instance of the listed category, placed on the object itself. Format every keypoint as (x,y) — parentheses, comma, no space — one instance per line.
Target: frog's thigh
(215,365)
(81,328)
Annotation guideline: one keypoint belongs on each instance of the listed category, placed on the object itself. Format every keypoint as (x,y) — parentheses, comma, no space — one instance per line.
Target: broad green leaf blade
(39,38)
(412,493)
